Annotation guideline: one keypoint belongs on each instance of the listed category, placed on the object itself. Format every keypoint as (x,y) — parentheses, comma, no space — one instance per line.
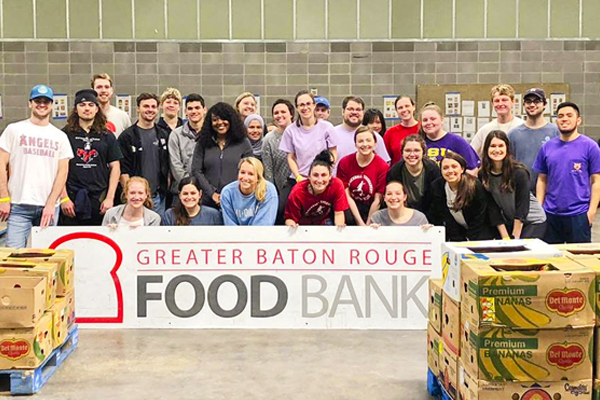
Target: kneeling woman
(137,208)
(251,200)
(396,213)
(314,200)
(188,210)
(459,202)
(513,210)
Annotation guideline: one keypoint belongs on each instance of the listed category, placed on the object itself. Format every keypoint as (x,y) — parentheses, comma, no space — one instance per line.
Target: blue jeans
(22,217)
(159,204)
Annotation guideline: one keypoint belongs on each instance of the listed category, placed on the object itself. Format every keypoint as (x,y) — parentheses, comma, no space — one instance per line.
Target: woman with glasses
(416,173)
(306,138)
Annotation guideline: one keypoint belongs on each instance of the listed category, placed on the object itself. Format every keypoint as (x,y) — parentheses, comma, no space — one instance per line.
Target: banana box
(597,353)
(500,354)
(435,304)
(434,345)
(527,294)
(474,389)
(596,391)
(22,300)
(451,325)
(449,372)
(19,268)
(60,321)
(63,258)
(586,254)
(454,253)
(70,299)
(26,347)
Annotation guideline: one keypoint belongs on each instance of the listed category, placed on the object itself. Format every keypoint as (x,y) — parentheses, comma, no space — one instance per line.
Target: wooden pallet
(435,388)
(30,381)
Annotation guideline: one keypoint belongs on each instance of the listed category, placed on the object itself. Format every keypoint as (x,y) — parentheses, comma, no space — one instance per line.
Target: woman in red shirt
(313,201)
(363,175)
(405,108)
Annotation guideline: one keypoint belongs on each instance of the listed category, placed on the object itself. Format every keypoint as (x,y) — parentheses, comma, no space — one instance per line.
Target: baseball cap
(41,91)
(322,100)
(539,93)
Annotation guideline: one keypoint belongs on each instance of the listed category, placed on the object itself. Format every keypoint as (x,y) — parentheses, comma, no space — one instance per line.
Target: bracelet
(298,178)
(64,200)
(5,200)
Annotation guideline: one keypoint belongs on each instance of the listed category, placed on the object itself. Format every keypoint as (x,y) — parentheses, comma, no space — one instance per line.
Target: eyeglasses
(532,101)
(354,109)
(302,105)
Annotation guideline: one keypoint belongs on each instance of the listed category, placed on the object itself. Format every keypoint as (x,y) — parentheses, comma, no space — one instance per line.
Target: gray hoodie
(113,216)
(181,148)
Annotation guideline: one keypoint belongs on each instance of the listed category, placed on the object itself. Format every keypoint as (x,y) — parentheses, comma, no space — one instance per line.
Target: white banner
(250,277)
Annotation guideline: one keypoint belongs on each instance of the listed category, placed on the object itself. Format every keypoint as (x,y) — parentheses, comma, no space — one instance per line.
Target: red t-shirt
(307,209)
(393,138)
(363,182)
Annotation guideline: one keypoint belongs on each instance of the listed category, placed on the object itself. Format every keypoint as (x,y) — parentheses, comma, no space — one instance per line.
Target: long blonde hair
(261,183)
(148,203)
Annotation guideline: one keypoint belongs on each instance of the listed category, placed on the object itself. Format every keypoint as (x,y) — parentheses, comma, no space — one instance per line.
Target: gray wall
(220,71)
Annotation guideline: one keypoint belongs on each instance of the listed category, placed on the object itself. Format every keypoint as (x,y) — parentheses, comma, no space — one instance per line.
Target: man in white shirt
(116,120)
(503,101)
(37,154)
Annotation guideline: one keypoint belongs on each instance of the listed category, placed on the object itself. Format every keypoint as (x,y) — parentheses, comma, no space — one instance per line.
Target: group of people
(224,165)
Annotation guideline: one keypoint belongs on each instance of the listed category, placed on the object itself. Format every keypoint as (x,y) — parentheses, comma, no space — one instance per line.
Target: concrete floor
(243,364)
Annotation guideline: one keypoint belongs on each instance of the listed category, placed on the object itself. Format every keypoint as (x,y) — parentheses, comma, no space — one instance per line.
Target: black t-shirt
(89,169)
(150,157)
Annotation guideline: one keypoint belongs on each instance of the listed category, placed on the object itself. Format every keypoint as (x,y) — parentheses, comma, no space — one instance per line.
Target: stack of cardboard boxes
(516,323)
(37,304)
(588,254)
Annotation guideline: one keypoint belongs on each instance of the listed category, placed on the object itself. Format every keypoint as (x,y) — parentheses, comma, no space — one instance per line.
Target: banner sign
(250,277)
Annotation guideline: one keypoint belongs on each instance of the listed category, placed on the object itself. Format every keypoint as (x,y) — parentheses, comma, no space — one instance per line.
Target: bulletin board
(465,109)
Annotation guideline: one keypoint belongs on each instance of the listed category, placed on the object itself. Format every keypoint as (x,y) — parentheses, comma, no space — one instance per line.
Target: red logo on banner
(118,319)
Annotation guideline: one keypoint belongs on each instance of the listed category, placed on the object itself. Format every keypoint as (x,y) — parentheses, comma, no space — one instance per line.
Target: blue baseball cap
(41,91)
(322,100)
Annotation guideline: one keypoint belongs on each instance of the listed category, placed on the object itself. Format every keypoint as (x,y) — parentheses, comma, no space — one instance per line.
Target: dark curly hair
(224,111)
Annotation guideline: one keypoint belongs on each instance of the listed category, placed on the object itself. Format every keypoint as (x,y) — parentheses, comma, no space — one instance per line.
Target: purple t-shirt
(436,150)
(568,166)
(306,144)
(346,146)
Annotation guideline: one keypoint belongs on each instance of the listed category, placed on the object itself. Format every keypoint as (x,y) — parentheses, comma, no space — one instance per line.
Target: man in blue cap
(37,154)
(323,108)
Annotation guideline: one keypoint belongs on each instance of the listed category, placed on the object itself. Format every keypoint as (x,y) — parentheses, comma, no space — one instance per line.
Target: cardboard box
(26,347)
(22,300)
(597,353)
(449,372)
(451,325)
(434,345)
(473,389)
(63,258)
(454,253)
(588,255)
(49,271)
(435,304)
(500,354)
(70,299)
(596,391)
(527,294)
(60,321)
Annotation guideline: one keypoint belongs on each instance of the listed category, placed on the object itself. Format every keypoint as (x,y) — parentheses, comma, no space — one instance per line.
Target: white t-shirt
(117,120)
(35,152)
(482,134)
(123,223)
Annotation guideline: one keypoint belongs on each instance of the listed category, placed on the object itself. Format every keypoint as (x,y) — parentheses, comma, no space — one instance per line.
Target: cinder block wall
(220,71)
